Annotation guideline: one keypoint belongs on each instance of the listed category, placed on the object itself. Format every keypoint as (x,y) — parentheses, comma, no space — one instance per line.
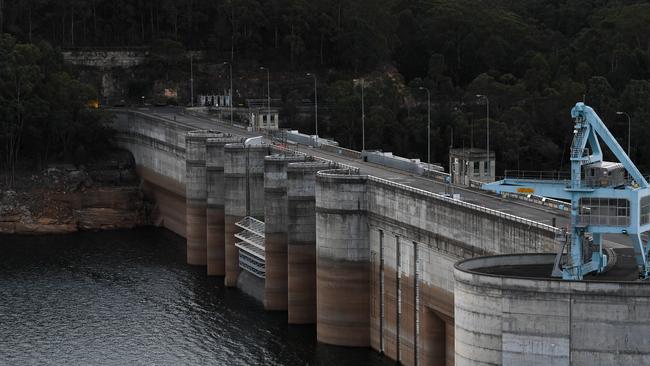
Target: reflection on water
(126,297)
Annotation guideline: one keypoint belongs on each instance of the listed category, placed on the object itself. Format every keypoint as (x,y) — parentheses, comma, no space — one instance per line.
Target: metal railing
(252,224)
(538,175)
(471,206)
(252,256)
(251,264)
(466,204)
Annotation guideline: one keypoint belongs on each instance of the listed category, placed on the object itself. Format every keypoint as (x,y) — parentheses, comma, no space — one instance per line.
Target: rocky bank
(65,198)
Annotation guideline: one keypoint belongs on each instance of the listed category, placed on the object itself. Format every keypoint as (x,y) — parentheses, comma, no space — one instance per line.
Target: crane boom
(606,197)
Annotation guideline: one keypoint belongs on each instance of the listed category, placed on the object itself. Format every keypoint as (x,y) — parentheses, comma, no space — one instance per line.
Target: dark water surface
(127,298)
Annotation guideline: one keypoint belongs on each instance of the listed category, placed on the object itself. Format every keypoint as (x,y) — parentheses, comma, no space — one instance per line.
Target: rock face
(64,199)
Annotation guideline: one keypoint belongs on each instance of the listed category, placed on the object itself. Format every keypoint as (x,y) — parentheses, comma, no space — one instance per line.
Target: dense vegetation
(533,59)
(44,115)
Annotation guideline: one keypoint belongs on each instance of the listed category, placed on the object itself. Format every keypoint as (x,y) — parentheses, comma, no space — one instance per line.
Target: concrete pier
(505,318)
(196,196)
(301,240)
(275,214)
(243,196)
(215,204)
(342,257)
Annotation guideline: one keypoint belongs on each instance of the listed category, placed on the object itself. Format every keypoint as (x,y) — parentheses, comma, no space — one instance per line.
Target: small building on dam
(373,262)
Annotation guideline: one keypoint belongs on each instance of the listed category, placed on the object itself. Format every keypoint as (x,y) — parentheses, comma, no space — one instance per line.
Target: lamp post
(191,80)
(363,117)
(487,118)
(231,98)
(628,130)
(428,124)
(315,102)
(268,92)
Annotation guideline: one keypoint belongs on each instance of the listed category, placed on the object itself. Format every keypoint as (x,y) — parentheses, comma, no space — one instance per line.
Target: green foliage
(44,109)
(534,59)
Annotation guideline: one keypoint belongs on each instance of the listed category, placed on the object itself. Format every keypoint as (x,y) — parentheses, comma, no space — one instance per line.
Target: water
(127,298)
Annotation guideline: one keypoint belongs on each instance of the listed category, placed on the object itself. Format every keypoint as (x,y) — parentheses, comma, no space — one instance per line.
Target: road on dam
(522,209)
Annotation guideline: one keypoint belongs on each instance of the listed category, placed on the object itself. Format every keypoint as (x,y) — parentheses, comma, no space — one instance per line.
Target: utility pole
(428,124)
(191,80)
(487,117)
(315,103)
(363,117)
(629,134)
(231,97)
(268,93)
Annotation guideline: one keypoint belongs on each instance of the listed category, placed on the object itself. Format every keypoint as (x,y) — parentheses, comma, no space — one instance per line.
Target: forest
(532,59)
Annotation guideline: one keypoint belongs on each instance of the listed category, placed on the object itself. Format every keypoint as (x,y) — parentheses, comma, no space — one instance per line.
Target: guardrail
(471,206)
(341,151)
(538,175)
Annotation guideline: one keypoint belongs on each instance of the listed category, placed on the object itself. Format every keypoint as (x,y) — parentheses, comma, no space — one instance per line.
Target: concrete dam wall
(368,260)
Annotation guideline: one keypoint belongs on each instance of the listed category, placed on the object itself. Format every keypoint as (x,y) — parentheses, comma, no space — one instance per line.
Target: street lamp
(268,92)
(428,124)
(628,130)
(487,117)
(363,117)
(231,98)
(191,80)
(315,102)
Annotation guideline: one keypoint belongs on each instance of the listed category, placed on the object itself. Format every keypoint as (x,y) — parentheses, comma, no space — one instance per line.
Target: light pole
(191,80)
(628,130)
(363,117)
(315,103)
(231,98)
(428,124)
(268,93)
(487,117)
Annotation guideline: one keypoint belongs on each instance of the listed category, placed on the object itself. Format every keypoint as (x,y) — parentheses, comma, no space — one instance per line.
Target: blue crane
(606,198)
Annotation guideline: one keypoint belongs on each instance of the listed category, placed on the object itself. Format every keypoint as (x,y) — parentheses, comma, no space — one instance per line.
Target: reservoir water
(128,298)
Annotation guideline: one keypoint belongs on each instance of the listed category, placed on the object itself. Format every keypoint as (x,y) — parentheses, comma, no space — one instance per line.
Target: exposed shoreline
(65,199)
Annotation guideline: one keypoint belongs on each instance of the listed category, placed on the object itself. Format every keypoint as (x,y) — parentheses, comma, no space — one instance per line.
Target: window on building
(604,211)
(645,210)
(477,168)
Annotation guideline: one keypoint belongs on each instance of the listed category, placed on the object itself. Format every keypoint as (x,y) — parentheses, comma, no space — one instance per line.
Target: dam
(376,257)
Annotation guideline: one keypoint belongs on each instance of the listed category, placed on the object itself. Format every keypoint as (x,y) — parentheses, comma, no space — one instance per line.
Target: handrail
(440,197)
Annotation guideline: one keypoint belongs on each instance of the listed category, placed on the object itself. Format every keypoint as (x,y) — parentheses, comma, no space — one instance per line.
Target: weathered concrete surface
(503,320)
(215,216)
(414,238)
(301,241)
(196,196)
(275,236)
(243,196)
(342,255)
